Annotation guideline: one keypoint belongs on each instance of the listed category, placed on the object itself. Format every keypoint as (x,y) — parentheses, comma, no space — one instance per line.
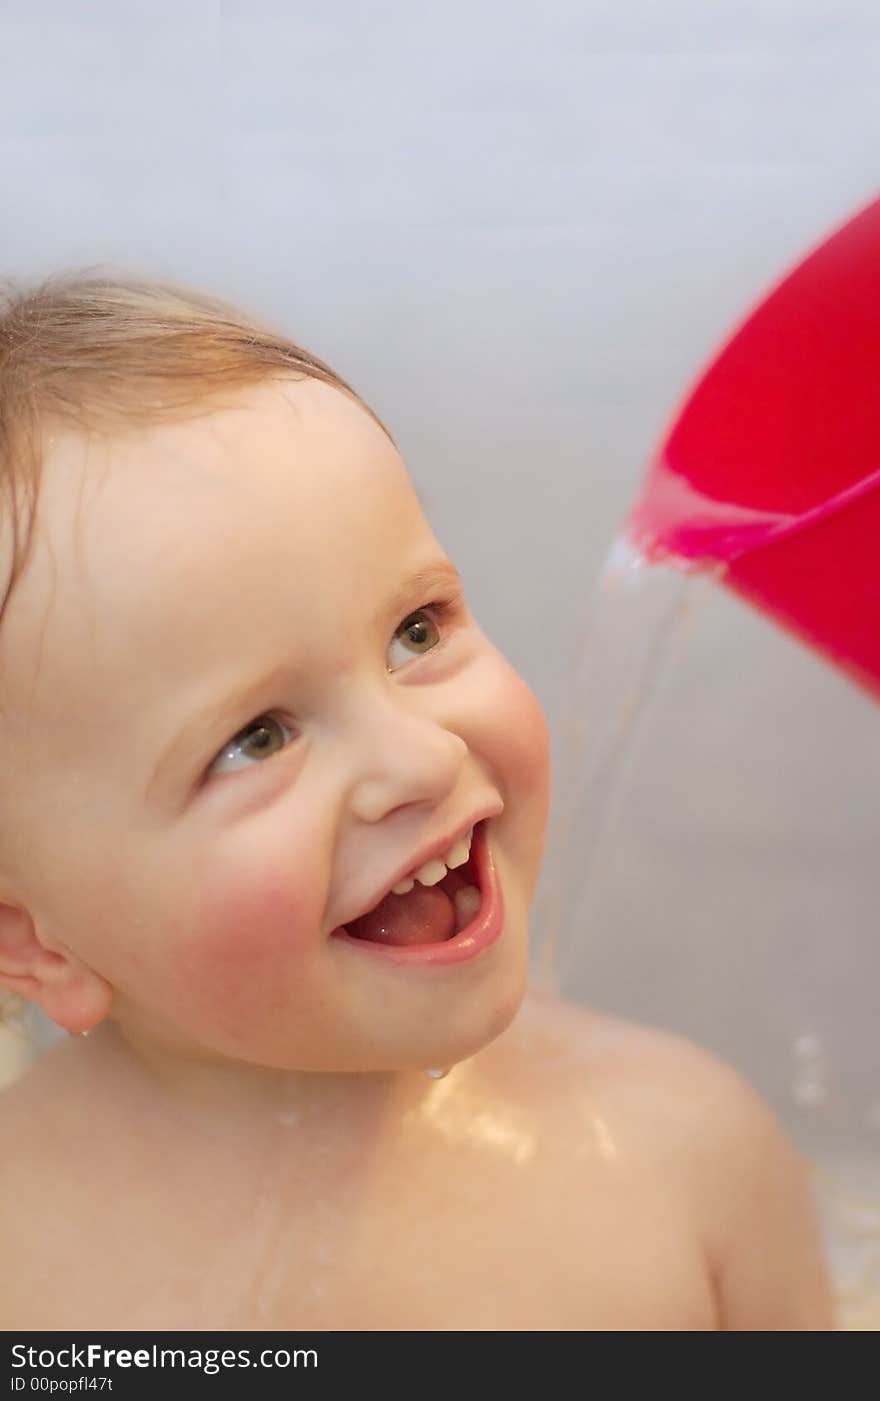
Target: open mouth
(426,914)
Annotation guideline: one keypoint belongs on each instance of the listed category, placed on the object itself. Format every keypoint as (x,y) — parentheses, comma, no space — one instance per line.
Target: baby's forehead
(130,526)
(294,447)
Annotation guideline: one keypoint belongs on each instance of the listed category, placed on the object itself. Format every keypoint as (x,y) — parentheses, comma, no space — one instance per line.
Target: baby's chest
(464,1245)
(509,1253)
(508,1260)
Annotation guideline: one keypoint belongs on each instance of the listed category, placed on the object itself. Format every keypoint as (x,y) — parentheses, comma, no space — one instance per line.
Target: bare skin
(248,1139)
(580,1173)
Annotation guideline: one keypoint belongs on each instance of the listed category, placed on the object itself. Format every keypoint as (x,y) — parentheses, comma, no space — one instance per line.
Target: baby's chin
(370,1037)
(415,1032)
(423,1050)
(436,1048)
(418,1048)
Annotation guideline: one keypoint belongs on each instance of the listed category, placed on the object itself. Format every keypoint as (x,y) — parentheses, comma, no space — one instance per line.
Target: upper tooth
(434,871)
(459,854)
(431,872)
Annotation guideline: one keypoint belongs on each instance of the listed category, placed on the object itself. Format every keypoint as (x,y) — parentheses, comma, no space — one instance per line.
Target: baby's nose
(405,757)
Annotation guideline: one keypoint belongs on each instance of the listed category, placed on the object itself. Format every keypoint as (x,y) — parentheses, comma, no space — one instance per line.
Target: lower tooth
(467,902)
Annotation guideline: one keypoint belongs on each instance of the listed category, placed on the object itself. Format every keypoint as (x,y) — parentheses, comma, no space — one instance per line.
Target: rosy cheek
(248,939)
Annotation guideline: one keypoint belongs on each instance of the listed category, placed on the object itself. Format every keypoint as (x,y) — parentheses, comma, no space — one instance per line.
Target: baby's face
(221,743)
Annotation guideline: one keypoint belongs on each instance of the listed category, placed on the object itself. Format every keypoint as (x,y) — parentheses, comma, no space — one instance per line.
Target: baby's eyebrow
(439,575)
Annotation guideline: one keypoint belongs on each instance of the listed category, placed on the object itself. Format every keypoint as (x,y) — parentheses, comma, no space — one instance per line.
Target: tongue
(425,916)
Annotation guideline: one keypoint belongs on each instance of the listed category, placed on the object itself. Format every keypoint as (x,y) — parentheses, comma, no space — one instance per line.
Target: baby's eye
(419,633)
(258,738)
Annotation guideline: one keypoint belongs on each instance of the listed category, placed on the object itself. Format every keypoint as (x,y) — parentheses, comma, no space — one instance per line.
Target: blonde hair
(103,353)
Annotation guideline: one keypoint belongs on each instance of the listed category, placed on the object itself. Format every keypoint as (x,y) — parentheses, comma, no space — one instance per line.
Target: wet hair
(100,353)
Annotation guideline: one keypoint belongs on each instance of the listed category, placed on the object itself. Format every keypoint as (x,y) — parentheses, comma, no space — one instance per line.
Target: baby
(272,815)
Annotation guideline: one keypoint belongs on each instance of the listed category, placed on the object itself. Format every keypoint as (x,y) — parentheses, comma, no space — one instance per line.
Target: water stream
(636,626)
(638,622)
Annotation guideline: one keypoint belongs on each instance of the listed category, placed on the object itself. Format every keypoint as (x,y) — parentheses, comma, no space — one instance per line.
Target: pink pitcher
(772,468)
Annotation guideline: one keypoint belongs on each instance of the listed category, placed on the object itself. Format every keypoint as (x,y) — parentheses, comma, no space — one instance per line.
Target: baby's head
(241,694)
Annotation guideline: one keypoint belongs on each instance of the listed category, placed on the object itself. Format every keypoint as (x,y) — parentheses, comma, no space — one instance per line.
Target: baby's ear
(73,996)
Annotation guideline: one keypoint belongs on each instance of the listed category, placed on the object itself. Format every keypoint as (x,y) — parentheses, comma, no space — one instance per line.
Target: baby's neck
(226,1098)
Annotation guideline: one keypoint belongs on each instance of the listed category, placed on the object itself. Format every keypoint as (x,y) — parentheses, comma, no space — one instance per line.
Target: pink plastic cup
(772,468)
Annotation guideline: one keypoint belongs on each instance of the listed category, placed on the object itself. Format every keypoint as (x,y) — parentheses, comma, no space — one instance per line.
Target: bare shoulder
(29,1107)
(23,1168)
(640,1069)
(45,1123)
(694,1122)
(41,1105)
(663,1101)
